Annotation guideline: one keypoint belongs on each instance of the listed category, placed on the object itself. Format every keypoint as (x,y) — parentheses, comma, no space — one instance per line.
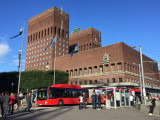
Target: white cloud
(4,50)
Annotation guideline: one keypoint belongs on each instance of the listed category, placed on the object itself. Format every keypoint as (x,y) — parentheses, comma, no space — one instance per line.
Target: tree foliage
(31,80)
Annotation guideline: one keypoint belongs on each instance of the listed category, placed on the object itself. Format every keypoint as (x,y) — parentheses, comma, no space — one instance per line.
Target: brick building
(113,65)
(41,30)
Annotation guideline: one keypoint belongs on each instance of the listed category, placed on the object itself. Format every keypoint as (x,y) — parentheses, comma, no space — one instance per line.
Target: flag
(53,41)
(21,31)
(75,50)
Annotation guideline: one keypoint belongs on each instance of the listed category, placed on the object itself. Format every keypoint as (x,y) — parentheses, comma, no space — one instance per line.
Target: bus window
(42,94)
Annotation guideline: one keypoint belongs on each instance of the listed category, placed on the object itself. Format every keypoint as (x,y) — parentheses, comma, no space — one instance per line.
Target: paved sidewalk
(73,113)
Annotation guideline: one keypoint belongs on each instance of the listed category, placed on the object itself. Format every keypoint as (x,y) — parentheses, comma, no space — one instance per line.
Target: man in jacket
(84,100)
(29,104)
(94,98)
(99,100)
(5,102)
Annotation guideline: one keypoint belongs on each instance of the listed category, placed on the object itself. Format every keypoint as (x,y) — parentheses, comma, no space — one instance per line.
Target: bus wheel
(61,103)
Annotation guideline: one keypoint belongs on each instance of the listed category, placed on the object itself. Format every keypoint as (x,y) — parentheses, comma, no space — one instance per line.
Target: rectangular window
(106,68)
(119,66)
(48,31)
(55,30)
(80,71)
(107,81)
(39,34)
(45,32)
(95,69)
(95,82)
(85,82)
(112,67)
(90,70)
(120,79)
(42,33)
(101,81)
(101,69)
(59,31)
(85,71)
(113,80)
(75,72)
(71,73)
(80,82)
(90,82)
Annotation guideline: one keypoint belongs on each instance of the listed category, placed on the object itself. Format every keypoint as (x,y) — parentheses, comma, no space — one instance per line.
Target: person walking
(29,104)
(11,103)
(94,96)
(5,102)
(84,100)
(20,100)
(152,106)
(99,100)
(80,101)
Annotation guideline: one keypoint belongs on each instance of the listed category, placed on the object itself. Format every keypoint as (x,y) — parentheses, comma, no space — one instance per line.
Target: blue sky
(136,21)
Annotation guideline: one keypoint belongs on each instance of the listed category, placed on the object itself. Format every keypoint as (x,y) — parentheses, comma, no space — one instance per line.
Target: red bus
(60,94)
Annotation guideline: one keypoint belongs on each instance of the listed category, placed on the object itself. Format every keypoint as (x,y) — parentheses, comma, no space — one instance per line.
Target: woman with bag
(12,102)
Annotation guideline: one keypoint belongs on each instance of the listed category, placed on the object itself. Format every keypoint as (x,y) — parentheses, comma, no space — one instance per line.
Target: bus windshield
(42,94)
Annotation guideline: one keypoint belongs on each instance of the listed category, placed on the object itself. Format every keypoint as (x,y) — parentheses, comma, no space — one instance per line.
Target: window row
(95,70)
(46,32)
(90,82)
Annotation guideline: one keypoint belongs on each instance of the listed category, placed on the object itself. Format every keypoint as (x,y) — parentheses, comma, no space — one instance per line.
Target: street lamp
(140,78)
(142,71)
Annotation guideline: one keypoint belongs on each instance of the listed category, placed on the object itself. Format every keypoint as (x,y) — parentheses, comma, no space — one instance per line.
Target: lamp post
(142,72)
(140,78)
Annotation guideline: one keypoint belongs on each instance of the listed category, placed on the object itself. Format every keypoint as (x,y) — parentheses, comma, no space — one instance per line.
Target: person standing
(131,100)
(1,104)
(84,100)
(80,101)
(29,104)
(21,99)
(94,96)
(5,102)
(152,106)
(12,102)
(99,100)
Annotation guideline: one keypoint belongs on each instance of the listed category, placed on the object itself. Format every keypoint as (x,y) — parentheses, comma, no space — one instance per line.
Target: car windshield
(42,94)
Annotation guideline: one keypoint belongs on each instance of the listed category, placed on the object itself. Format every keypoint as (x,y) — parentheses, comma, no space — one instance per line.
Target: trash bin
(108,104)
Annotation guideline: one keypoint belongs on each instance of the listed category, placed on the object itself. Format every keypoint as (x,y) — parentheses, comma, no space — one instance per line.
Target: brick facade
(114,65)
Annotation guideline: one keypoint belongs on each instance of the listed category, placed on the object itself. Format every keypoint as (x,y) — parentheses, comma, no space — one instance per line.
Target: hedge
(31,80)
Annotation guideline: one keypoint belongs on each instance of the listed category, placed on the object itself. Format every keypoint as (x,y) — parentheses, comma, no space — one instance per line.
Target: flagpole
(78,63)
(55,62)
(20,64)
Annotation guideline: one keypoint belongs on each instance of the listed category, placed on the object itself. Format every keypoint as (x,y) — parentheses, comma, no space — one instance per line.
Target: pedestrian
(16,104)
(152,106)
(29,104)
(80,101)
(94,96)
(21,99)
(99,100)
(12,102)
(5,102)
(84,100)
(1,105)
(131,100)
